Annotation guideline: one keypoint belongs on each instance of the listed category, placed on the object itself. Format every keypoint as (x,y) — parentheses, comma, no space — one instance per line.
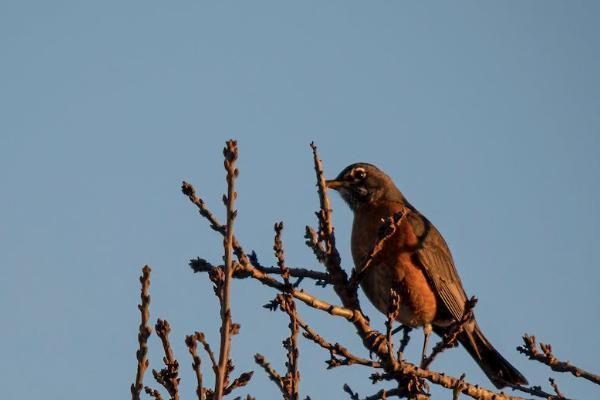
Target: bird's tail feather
(496,367)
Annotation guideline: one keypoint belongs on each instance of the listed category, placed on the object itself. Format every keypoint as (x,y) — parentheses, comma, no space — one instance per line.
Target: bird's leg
(427,332)
(401,328)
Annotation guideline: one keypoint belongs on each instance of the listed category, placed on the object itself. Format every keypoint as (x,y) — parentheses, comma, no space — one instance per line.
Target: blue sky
(486,114)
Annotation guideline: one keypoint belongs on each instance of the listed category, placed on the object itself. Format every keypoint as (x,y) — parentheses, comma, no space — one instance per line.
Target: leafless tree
(407,380)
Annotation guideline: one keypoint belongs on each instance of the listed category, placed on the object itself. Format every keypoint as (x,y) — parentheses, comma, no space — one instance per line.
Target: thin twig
(330,257)
(292,376)
(548,358)
(191,342)
(202,339)
(536,391)
(144,332)
(238,382)
(271,373)
(555,388)
(201,265)
(153,393)
(335,349)
(168,376)
(248,270)
(190,192)
(382,394)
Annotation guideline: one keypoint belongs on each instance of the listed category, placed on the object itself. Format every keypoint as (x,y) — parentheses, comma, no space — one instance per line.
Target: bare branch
(230,152)
(201,265)
(537,391)
(238,382)
(271,373)
(548,358)
(250,271)
(144,332)
(335,349)
(456,391)
(192,345)
(325,225)
(190,192)
(292,376)
(327,253)
(168,376)
(153,392)
(556,389)
(382,394)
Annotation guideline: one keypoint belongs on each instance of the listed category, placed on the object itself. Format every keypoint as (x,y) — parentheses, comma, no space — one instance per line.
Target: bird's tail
(497,369)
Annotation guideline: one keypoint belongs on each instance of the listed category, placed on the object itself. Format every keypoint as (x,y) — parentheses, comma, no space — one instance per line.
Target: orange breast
(393,267)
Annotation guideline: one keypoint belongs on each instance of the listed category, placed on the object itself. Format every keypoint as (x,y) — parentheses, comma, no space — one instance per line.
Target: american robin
(416,262)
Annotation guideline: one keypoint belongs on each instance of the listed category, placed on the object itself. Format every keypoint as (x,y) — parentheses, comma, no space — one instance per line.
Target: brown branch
(238,382)
(144,332)
(230,152)
(271,373)
(382,394)
(279,253)
(457,390)
(202,339)
(548,358)
(335,349)
(153,392)
(450,338)
(555,388)
(536,391)
(191,342)
(248,270)
(325,248)
(292,376)
(325,225)
(190,192)
(201,265)
(301,295)
(168,376)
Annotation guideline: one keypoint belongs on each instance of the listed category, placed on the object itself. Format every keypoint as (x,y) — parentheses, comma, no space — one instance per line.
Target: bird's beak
(334,184)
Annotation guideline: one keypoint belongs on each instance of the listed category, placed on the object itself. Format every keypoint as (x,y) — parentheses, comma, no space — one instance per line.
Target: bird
(416,263)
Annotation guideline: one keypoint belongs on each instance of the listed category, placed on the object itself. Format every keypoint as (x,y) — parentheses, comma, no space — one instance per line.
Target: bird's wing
(434,257)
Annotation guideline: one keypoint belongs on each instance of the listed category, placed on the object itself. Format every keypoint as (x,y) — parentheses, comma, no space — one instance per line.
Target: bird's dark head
(363,183)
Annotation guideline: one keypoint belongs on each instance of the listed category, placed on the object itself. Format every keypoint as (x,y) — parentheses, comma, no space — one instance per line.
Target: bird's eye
(359,174)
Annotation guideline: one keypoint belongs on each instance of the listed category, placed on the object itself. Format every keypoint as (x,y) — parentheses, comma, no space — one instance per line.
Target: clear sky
(486,114)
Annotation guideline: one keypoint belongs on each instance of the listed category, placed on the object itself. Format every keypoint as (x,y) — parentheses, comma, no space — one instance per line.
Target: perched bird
(416,262)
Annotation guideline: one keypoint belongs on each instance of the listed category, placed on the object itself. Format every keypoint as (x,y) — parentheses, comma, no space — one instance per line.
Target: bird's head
(363,183)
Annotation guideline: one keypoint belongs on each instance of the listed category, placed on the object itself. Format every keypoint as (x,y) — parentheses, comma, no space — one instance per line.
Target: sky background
(486,115)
